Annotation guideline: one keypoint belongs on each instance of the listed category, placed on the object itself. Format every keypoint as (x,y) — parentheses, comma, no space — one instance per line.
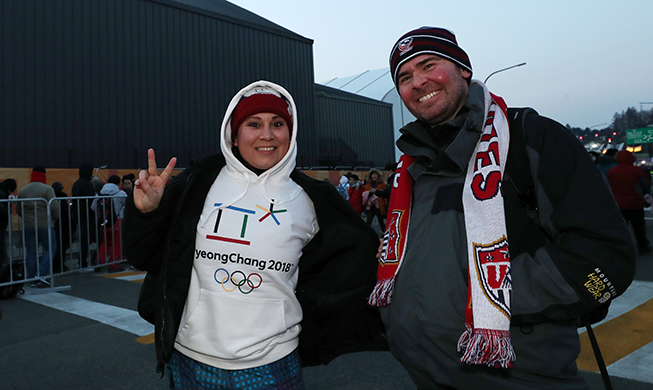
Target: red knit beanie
(260,100)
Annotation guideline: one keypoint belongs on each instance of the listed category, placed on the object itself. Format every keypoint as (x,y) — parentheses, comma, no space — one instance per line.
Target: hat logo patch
(405,45)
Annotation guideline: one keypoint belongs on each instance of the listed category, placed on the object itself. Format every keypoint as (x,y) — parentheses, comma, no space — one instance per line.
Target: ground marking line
(118,317)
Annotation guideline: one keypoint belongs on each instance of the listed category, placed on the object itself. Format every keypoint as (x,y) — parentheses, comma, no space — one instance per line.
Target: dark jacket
(82,211)
(336,274)
(63,225)
(4,210)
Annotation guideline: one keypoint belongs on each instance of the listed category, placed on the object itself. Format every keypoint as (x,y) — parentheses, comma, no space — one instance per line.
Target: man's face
(127,183)
(432,88)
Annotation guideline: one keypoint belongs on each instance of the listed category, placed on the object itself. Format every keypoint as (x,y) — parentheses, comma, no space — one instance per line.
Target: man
(128,183)
(606,161)
(35,225)
(62,229)
(462,309)
(629,184)
(7,187)
(110,213)
(355,193)
(82,213)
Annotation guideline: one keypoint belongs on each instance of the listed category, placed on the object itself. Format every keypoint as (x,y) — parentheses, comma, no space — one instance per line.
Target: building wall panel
(101,81)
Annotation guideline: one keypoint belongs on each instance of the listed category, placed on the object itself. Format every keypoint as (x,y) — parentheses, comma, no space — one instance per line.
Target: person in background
(63,227)
(128,183)
(343,187)
(262,263)
(606,161)
(481,286)
(82,213)
(35,226)
(97,184)
(356,193)
(111,212)
(629,185)
(7,187)
(390,170)
(374,206)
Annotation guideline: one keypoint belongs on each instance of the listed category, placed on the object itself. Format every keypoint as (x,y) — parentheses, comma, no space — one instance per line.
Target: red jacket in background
(356,198)
(625,179)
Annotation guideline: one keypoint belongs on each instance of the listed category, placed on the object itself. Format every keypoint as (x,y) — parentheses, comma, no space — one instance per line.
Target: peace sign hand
(148,189)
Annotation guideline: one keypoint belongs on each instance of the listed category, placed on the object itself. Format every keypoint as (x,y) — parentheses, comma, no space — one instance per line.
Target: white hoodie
(241,310)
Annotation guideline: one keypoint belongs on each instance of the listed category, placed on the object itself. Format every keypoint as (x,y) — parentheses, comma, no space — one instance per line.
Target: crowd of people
(369,197)
(488,263)
(55,236)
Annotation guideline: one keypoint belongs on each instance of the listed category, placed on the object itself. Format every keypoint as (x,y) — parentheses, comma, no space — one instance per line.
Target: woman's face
(374,177)
(263,139)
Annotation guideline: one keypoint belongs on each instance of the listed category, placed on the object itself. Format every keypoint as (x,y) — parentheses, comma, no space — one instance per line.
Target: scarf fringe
(382,293)
(486,347)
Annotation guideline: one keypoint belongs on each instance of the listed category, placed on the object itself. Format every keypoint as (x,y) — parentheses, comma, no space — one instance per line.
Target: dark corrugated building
(101,81)
(352,130)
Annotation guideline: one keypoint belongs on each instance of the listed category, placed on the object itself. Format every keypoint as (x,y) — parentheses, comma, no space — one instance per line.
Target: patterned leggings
(284,374)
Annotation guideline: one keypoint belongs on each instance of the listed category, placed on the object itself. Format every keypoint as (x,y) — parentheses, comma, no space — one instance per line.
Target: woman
(250,263)
(374,205)
(109,210)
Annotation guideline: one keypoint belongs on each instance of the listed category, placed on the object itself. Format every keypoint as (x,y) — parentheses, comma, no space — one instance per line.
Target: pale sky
(585,60)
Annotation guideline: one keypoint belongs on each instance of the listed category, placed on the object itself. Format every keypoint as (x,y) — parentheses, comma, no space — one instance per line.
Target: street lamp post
(501,70)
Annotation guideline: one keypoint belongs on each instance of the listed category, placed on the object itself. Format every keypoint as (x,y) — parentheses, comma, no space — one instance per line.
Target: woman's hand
(148,188)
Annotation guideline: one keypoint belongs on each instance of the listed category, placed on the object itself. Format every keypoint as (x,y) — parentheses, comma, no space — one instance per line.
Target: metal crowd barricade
(87,243)
(28,249)
(75,242)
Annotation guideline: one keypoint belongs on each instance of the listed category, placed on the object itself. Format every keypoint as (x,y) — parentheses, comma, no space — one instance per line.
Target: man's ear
(466,74)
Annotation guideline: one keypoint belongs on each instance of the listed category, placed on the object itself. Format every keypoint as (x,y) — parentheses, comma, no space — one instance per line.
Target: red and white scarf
(486,340)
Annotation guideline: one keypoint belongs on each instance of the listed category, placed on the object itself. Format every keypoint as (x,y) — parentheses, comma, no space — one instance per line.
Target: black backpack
(11,290)
(106,215)
(518,173)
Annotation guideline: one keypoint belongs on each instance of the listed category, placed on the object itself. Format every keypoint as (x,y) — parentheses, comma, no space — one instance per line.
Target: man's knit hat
(427,40)
(260,99)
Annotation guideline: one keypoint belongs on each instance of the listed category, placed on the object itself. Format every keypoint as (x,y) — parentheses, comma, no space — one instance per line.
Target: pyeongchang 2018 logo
(493,268)
(269,213)
(237,280)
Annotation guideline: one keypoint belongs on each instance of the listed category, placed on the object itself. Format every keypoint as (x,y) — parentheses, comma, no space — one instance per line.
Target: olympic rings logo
(238,284)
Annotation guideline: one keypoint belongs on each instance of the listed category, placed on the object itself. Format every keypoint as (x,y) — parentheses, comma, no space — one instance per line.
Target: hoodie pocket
(232,327)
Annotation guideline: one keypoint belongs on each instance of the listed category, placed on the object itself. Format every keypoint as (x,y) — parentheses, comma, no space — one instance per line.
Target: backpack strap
(521,179)
(520,172)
